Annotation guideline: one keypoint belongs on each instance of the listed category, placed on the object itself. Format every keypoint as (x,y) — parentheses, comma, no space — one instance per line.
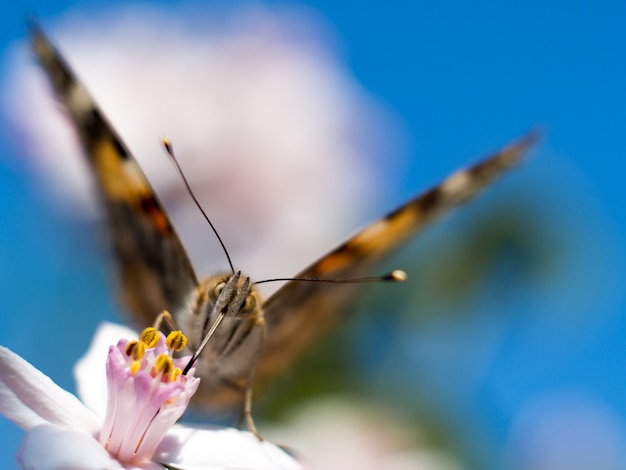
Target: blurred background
(297,123)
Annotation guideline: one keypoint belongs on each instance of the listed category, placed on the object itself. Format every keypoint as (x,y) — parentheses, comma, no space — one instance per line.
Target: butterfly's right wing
(156,273)
(299,313)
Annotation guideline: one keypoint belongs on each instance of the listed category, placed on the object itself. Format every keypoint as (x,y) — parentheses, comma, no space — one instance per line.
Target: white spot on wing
(459,186)
(78,100)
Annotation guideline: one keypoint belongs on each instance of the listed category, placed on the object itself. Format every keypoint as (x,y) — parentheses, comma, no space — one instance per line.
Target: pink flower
(147,393)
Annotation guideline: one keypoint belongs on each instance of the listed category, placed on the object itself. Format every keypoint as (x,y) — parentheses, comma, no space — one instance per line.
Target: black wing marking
(156,273)
(300,312)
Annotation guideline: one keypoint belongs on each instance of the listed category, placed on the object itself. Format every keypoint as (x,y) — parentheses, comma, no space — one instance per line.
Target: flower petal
(50,447)
(215,447)
(89,371)
(30,398)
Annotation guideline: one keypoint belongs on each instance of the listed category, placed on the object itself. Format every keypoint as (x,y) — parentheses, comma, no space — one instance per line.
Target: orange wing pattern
(300,312)
(156,273)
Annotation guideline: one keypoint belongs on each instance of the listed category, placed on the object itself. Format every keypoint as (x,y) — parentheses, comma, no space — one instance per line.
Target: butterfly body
(155,273)
(227,361)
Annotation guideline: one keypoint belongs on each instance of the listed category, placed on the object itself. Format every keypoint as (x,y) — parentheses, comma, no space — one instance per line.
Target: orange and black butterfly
(255,336)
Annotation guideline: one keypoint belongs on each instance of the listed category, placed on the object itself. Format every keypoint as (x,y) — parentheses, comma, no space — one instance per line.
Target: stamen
(136,350)
(176,341)
(147,392)
(149,336)
(134,367)
(175,373)
(163,364)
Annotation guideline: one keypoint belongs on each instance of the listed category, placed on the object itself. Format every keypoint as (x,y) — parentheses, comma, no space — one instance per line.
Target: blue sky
(460,78)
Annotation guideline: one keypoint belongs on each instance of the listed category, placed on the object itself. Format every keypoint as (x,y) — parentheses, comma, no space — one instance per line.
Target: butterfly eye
(217,290)
(248,304)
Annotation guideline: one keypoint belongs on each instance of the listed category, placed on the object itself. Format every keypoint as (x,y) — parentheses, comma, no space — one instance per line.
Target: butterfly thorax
(234,346)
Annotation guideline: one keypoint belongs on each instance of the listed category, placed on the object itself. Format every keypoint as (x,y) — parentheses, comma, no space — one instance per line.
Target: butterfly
(255,339)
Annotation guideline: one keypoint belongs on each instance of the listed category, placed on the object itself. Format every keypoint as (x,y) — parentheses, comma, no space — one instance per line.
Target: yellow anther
(176,340)
(134,367)
(164,364)
(135,349)
(150,337)
(175,373)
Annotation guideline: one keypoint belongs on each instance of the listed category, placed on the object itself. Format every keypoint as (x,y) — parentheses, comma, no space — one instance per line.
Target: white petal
(50,447)
(214,447)
(29,398)
(90,370)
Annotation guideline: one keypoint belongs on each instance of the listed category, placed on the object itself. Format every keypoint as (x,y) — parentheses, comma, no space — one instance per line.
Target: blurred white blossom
(275,136)
(339,434)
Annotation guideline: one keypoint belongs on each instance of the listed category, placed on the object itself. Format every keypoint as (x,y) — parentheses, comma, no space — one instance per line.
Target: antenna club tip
(398,275)
(167,143)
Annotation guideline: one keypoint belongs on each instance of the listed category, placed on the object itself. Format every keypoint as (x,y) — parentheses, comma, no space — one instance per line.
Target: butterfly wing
(156,273)
(300,312)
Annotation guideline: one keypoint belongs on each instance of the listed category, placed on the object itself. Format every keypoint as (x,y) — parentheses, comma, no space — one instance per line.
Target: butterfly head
(231,295)
(228,295)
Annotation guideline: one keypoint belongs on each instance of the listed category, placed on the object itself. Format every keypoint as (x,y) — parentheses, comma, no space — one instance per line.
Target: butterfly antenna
(397,275)
(170,151)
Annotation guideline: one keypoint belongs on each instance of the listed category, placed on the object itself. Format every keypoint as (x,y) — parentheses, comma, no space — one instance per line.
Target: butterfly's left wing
(155,271)
(300,312)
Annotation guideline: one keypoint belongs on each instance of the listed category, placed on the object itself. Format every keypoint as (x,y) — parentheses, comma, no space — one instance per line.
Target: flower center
(147,393)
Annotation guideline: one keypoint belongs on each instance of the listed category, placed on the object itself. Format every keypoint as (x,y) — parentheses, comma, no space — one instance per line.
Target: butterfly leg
(247,405)
(165,318)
